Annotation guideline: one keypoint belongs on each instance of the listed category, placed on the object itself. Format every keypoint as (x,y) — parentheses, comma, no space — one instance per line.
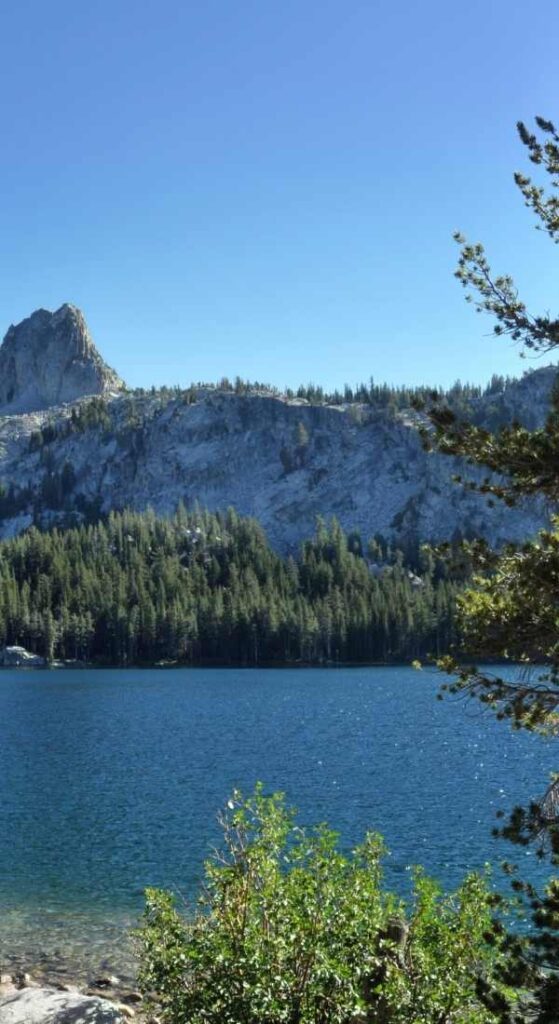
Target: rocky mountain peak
(50,358)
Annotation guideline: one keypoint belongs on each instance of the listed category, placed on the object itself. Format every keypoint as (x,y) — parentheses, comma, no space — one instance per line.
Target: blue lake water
(110,781)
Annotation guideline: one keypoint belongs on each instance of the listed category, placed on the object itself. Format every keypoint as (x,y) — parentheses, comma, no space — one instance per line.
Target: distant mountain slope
(280,460)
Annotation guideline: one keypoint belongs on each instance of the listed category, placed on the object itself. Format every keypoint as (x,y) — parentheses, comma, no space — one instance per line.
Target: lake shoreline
(236,666)
(108,973)
(110,782)
(163,664)
(126,999)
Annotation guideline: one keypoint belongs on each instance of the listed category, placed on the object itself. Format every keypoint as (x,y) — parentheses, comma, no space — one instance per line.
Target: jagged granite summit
(49,359)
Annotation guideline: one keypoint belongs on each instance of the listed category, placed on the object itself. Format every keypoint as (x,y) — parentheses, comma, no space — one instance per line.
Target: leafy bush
(289,930)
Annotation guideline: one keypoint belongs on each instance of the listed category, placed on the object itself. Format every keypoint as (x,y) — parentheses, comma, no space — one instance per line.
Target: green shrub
(289,930)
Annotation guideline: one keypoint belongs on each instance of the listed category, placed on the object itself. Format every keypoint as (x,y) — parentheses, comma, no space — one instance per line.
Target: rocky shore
(38,999)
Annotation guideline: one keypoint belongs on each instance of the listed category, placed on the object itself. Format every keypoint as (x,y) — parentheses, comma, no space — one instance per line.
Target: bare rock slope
(49,359)
(284,461)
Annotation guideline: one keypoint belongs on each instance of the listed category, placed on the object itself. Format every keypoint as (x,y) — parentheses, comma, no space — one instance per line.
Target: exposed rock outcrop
(241,451)
(49,359)
(47,1006)
(277,458)
(16,657)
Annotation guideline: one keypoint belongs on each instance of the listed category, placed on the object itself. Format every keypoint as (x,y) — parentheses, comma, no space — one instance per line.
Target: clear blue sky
(269,188)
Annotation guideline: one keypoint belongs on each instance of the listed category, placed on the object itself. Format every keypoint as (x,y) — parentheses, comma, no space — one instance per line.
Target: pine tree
(511,613)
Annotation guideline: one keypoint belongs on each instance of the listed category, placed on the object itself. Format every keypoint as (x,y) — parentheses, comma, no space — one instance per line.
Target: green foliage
(14,500)
(91,415)
(302,440)
(506,616)
(208,588)
(290,930)
(512,611)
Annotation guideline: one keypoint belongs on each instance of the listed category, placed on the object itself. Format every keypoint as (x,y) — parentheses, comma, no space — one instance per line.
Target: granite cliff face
(283,461)
(49,359)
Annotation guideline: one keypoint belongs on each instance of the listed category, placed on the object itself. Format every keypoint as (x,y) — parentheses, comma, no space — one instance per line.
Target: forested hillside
(208,588)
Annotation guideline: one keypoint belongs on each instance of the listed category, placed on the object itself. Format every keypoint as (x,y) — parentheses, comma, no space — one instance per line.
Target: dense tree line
(205,588)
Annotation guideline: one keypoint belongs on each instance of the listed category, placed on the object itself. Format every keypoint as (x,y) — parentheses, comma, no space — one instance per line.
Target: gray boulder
(15,657)
(48,1006)
(49,359)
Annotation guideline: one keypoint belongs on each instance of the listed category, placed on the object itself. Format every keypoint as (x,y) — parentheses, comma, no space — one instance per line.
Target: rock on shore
(15,657)
(48,1006)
